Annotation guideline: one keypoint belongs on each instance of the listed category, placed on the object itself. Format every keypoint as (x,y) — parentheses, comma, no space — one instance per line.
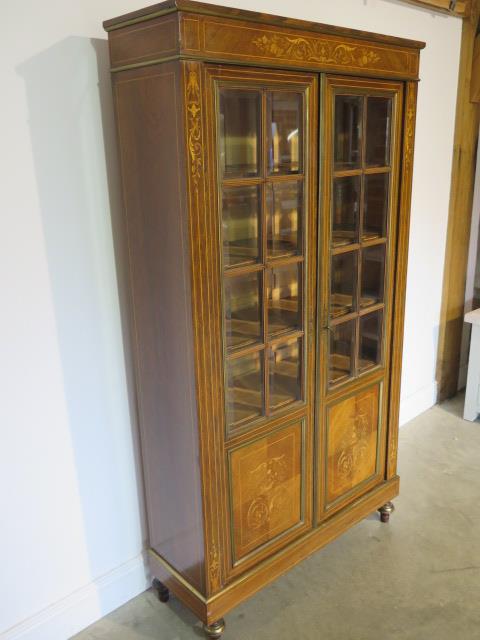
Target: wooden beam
(475,86)
(467,121)
(460,8)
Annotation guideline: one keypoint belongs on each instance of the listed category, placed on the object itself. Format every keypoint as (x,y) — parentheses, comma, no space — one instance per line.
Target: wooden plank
(461,8)
(467,122)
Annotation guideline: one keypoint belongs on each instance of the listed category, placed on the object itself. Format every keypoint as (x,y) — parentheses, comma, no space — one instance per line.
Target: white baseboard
(417,403)
(82,608)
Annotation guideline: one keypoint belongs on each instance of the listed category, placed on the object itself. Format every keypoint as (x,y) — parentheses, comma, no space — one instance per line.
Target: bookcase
(266,166)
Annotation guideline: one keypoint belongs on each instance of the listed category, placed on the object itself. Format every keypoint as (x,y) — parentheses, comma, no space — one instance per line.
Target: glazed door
(265,191)
(361,124)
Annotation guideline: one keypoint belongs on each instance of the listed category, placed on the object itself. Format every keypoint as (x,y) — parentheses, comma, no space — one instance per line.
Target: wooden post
(475,86)
(467,122)
(459,8)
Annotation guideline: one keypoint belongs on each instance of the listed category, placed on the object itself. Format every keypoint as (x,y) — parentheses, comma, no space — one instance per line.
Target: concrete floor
(416,578)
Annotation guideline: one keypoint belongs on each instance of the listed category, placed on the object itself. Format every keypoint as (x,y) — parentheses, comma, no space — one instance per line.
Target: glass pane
(244,388)
(348,132)
(343,283)
(376,206)
(285,372)
(345,211)
(284,217)
(240,223)
(373,270)
(379,115)
(370,340)
(283,298)
(341,351)
(240,115)
(285,130)
(242,309)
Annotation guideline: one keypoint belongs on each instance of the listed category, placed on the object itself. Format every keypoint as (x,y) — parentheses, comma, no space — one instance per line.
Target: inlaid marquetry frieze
(316,50)
(218,39)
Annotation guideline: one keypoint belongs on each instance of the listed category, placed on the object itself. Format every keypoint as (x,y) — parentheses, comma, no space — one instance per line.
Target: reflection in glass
(239,132)
(284,217)
(348,131)
(373,270)
(343,283)
(370,340)
(244,388)
(285,131)
(241,212)
(379,115)
(345,210)
(376,206)
(285,372)
(284,298)
(242,309)
(342,338)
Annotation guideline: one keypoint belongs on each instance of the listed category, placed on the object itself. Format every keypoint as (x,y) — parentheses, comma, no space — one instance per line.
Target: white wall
(70,501)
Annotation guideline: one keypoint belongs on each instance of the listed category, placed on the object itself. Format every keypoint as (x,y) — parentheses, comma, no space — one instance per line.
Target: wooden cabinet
(266,167)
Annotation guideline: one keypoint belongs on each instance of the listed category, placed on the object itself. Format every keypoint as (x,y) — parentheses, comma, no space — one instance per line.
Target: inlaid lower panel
(352,439)
(266,488)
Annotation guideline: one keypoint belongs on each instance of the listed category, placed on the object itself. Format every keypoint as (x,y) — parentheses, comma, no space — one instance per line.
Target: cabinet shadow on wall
(73,142)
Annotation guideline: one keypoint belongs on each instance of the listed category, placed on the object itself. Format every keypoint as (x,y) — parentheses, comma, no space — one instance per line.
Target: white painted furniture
(472,394)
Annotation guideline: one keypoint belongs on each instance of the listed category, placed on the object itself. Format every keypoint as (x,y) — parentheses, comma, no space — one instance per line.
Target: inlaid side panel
(150,131)
(352,442)
(266,488)
(140,43)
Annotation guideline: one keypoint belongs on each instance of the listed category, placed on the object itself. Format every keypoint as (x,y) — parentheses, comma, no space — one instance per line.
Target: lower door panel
(270,493)
(352,446)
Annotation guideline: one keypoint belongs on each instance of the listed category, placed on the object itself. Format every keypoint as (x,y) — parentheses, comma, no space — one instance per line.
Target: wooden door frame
(467,121)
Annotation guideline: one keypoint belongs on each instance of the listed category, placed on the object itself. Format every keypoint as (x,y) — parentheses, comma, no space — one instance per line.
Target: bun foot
(215,629)
(162,591)
(386,510)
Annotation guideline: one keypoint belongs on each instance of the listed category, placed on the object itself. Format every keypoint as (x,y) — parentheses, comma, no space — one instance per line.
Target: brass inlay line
(178,576)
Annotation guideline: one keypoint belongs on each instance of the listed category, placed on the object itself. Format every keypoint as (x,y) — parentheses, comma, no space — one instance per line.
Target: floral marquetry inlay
(355,449)
(214,567)
(321,51)
(268,477)
(352,442)
(409,129)
(194,121)
(266,488)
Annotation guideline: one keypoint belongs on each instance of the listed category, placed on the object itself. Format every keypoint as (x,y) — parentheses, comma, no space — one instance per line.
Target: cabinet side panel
(150,129)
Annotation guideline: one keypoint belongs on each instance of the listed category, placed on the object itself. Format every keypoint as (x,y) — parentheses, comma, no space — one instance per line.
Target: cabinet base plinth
(212,609)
